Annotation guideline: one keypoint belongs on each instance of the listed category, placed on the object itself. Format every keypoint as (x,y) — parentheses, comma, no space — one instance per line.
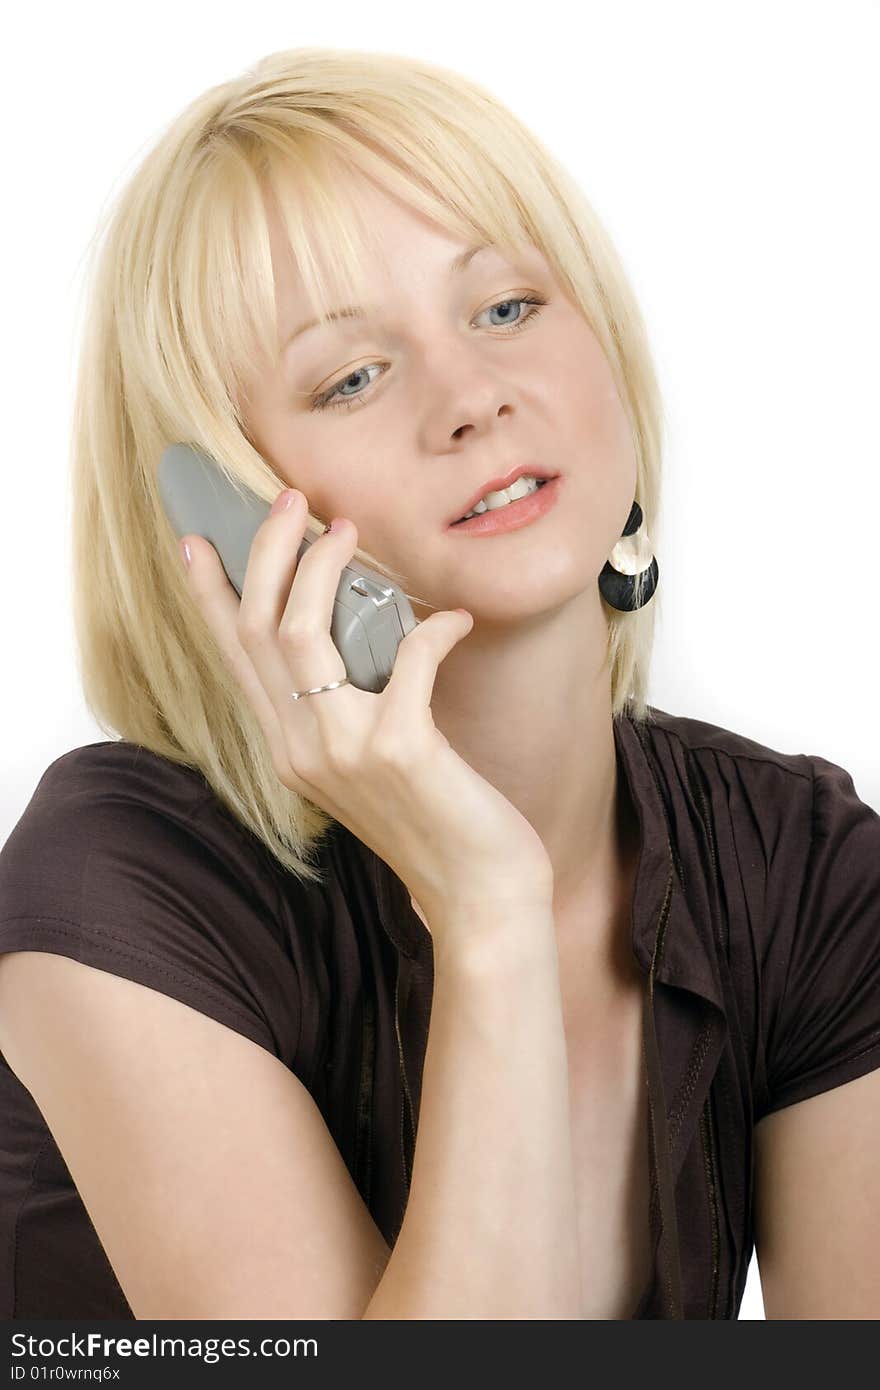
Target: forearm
(490,1228)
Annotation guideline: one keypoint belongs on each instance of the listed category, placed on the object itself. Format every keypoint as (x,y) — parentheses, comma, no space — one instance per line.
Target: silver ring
(334,685)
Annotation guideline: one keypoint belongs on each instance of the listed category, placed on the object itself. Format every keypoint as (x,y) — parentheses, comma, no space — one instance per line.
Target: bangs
(229,299)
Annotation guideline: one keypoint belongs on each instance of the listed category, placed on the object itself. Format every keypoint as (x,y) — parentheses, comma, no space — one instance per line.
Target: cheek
(605,456)
(604,425)
(356,495)
(601,406)
(334,485)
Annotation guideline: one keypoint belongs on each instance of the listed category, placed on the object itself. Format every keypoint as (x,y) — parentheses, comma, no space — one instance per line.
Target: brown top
(756,917)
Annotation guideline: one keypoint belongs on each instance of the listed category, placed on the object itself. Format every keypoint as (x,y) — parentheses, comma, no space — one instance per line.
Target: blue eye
(332,399)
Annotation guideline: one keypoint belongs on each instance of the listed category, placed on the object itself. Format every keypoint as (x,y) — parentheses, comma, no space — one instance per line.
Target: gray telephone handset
(371,616)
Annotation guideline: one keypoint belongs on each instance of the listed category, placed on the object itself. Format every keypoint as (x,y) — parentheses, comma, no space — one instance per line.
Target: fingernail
(185,553)
(283,500)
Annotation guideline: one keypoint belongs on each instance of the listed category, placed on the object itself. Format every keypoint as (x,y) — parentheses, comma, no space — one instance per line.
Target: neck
(528,705)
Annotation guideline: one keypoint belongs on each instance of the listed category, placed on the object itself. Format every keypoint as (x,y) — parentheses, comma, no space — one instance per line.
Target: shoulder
(88,764)
(127,861)
(749,793)
(668,733)
(782,854)
(117,815)
(779,821)
(753,782)
(99,780)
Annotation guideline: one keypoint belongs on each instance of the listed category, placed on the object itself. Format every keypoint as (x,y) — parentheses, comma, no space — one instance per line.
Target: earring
(628,578)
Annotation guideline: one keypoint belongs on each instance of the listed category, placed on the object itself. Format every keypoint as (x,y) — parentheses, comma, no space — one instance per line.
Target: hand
(374,762)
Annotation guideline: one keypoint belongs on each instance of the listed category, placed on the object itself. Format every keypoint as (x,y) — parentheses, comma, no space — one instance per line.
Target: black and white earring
(629,576)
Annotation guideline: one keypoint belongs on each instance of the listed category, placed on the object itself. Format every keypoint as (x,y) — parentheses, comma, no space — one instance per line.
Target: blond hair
(180,308)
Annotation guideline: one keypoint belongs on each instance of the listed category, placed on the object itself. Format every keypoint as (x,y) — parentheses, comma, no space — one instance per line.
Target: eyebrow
(354,311)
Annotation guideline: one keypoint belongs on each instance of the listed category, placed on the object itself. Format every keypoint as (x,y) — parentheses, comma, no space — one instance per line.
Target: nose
(468,394)
(459,432)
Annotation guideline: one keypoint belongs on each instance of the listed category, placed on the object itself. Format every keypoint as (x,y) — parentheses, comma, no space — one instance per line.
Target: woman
(472,998)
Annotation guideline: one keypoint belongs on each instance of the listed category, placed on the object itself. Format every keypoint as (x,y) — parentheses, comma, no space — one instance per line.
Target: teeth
(493,500)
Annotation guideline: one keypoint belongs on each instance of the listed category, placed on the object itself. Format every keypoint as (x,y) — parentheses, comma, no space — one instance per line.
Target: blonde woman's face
(396,419)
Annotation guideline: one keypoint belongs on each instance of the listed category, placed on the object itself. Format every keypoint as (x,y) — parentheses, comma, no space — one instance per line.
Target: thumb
(422,650)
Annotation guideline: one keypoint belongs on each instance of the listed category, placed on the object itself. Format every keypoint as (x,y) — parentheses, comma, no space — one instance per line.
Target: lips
(534,470)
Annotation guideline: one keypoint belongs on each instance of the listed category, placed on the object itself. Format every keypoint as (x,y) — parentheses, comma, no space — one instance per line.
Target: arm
(217,1190)
(490,1228)
(817,1204)
(205,1166)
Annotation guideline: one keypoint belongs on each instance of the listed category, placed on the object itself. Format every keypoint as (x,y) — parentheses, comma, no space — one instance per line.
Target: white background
(730,149)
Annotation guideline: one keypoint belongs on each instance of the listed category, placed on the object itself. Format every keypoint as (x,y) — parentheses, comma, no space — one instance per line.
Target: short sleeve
(827,1029)
(116,863)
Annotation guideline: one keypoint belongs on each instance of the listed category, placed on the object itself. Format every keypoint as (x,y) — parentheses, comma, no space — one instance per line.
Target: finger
(411,685)
(305,629)
(218,603)
(307,656)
